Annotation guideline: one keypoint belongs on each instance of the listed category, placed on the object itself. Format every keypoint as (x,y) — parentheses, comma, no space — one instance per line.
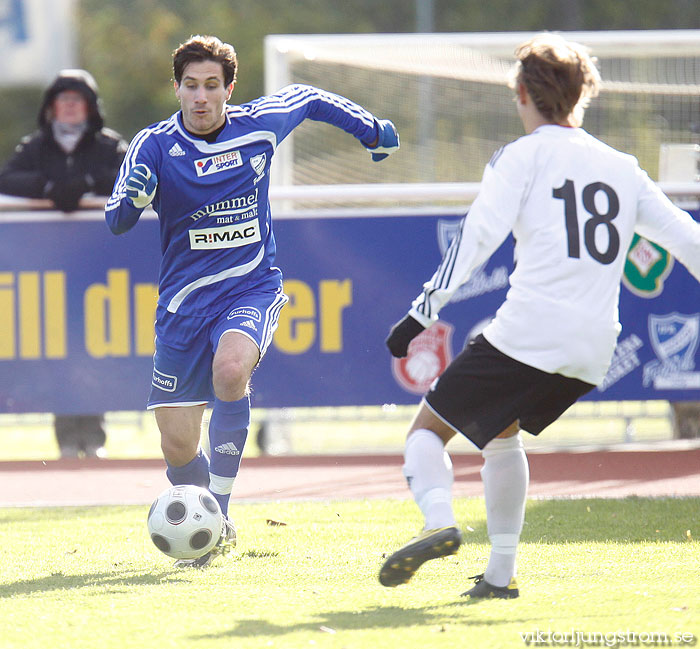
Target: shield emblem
(258,163)
(428,356)
(674,338)
(446,232)
(647,266)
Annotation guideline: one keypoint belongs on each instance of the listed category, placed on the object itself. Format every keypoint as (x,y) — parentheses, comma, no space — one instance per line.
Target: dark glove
(401,334)
(66,193)
(387,140)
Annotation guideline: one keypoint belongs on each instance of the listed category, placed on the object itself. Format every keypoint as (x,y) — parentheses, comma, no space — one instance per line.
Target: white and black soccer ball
(185,522)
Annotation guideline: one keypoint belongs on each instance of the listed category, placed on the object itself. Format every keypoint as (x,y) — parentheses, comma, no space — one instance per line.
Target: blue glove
(141,186)
(387,140)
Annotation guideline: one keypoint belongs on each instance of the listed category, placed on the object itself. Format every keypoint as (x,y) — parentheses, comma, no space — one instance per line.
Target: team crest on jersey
(674,338)
(216,163)
(258,163)
(428,356)
(646,268)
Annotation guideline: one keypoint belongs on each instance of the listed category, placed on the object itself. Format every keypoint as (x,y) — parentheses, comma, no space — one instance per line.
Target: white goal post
(448,95)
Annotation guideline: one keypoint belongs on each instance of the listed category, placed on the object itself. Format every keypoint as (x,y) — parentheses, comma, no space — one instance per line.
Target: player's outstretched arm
(386,142)
(289,107)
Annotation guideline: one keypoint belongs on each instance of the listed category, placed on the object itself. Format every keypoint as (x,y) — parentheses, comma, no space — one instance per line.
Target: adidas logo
(176,150)
(250,324)
(229,448)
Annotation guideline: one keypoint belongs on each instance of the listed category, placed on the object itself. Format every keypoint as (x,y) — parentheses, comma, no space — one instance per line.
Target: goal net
(448,96)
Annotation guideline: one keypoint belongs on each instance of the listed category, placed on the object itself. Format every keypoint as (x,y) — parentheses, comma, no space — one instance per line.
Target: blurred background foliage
(126,44)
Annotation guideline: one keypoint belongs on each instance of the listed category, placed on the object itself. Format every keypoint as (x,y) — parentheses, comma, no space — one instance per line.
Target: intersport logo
(228,236)
(216,163)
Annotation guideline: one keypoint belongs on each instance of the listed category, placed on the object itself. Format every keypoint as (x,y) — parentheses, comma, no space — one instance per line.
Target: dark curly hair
(205,48)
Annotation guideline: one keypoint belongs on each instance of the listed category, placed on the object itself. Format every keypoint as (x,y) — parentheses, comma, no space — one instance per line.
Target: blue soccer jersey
(212,199)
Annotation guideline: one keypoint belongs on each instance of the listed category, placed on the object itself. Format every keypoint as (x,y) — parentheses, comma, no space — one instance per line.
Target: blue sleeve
(120,214)
(293,104)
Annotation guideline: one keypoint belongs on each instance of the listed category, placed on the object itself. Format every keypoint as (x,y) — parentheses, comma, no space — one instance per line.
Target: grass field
(89,578)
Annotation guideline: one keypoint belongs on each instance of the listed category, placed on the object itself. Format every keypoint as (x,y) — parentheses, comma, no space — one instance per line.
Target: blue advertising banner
(77,308)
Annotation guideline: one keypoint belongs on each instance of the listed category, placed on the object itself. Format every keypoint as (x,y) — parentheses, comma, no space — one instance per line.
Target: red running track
(599,473)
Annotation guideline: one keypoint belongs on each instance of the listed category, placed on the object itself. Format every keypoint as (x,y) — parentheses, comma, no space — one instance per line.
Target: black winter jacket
(40,168)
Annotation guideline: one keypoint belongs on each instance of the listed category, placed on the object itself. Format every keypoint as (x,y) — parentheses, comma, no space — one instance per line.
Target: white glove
(141,185)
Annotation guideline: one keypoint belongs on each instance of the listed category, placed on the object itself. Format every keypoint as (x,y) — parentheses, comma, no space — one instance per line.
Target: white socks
(506,476)
(428,471)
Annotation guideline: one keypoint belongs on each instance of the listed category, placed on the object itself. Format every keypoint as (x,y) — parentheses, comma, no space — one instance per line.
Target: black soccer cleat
(430,544)
(483,590)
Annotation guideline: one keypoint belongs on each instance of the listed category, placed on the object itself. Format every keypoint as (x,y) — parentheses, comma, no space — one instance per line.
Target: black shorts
(483,391)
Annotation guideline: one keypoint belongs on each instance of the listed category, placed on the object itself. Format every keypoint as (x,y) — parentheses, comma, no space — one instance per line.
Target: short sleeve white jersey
(573,204)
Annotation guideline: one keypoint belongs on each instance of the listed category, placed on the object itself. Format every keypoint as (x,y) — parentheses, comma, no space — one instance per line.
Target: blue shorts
(185,345)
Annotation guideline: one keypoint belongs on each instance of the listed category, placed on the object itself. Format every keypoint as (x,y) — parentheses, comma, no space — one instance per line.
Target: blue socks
(228,430)
(194,472)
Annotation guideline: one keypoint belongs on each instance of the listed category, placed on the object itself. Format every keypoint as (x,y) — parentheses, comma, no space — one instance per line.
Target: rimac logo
(216,163)
(228,236)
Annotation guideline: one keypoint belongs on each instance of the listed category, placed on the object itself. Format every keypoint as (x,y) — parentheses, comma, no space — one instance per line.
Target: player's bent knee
(178,450)
(231,381)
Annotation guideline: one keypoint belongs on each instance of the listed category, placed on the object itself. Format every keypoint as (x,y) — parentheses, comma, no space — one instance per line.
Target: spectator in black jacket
(70,155)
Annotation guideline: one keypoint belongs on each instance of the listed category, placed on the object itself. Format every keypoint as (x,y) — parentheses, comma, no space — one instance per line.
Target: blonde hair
(560,76)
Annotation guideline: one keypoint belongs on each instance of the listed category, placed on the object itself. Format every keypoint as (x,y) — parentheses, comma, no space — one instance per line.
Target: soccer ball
(185,522)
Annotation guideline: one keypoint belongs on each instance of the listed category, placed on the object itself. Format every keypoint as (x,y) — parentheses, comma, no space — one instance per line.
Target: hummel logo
(250,324)
(229,448)
(176,150)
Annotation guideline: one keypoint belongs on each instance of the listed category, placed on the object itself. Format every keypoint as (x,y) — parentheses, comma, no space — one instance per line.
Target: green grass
(89,578)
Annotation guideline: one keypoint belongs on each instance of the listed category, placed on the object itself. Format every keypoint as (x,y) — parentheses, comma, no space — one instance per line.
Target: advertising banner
(77,306)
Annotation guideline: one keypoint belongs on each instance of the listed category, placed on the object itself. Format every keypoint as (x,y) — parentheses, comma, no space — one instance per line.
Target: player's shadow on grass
(380,617)
(114,582)
(441,617)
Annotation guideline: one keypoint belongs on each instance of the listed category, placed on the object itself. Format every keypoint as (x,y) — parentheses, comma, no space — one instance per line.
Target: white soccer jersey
(573,204)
